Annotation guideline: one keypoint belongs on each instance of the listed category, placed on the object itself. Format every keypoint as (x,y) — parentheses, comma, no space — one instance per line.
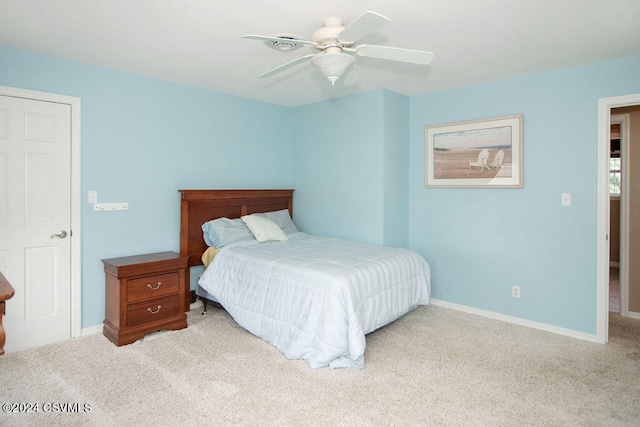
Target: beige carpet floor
(434,366)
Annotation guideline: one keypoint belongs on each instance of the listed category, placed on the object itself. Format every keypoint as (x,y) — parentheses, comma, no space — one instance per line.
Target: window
(615,163)
(614,176)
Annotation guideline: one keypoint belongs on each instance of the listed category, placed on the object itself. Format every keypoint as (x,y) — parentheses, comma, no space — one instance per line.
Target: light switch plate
(566,199)
(93,196)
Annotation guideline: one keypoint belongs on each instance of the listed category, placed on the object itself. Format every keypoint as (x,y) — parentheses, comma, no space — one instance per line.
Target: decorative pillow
(283,219)
(263,228)
(224,231)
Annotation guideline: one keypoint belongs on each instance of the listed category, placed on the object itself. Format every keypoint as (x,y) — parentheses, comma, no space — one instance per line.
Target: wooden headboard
(200,206)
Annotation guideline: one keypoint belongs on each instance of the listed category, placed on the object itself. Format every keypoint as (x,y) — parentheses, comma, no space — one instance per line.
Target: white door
(35,220)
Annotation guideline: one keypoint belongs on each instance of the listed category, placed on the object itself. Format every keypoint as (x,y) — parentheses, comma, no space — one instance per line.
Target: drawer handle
(154,312)
(152,288)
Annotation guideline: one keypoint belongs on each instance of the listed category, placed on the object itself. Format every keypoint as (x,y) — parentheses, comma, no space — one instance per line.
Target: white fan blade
(420,57)
(367,23)
(287,65)
(277,39)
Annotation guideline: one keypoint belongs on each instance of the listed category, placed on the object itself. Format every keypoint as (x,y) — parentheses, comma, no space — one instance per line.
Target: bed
(313,297)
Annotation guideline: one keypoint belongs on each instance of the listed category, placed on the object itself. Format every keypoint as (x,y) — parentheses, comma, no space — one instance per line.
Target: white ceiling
(197,42)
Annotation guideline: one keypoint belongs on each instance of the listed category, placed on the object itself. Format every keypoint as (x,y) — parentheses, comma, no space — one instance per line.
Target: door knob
(60,235)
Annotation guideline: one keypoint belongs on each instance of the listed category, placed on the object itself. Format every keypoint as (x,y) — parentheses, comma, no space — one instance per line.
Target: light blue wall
(480,242)
(338,165)
(396,170)
(352,161)
(142,141)
(351,167)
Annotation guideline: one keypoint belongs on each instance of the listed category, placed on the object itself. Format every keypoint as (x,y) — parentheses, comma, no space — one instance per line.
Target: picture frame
(475,154)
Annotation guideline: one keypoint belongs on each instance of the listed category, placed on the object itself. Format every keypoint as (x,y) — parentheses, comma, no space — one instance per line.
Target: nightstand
(144,293)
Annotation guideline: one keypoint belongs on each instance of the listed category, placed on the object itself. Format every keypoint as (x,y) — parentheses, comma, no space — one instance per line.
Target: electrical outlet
(515,291)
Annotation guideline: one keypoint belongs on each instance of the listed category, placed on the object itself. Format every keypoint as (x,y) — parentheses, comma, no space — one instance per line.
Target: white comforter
(315,298)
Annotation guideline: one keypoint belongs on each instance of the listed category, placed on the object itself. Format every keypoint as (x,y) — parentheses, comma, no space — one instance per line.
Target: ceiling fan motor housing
(328,34)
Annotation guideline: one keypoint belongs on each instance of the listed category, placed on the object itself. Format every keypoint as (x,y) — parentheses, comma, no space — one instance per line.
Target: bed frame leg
(204,304)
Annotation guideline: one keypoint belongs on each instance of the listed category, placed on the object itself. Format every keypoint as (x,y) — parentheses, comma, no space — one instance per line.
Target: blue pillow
(224,231)
(283,220)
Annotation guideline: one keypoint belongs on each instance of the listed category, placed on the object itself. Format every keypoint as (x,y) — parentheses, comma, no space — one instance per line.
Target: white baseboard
(471,310)
(91,330)
(634,315)
(516,320)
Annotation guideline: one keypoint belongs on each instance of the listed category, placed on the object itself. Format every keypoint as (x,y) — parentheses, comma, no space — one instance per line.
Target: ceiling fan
(334,39)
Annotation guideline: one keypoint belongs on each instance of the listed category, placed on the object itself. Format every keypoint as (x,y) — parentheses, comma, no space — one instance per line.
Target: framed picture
(475,154)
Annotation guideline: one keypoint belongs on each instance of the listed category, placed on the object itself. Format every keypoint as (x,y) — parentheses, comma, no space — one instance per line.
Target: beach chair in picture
(496,163)
(481,163)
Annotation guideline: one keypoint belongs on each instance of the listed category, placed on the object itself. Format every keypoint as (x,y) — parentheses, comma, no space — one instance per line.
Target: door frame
(603,215)
(76,236)
(623,121)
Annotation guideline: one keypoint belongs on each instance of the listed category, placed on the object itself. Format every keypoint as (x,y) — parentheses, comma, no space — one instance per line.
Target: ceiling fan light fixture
(333,65)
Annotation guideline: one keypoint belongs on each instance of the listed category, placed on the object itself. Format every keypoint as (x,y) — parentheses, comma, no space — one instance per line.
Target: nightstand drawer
(152,311)
(146,288)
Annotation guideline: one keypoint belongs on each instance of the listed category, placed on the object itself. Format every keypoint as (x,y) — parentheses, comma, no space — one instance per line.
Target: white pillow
(263,229)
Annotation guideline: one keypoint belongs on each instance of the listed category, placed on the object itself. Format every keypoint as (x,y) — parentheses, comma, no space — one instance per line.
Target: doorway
(619,164)
(605,107)
(40,221)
